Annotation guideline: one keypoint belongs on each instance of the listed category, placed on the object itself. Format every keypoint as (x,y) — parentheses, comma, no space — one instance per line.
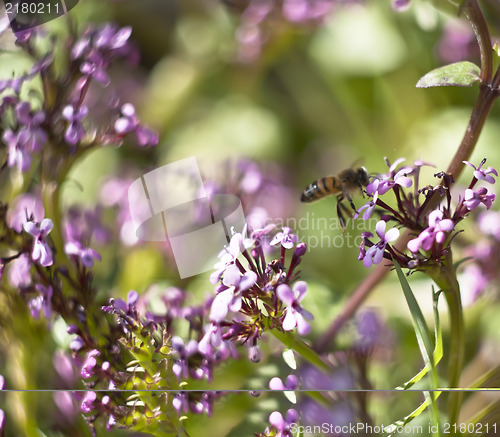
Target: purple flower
(435,232)
(90,362)
(32,136)
(213,347)
(128,123)
(483,175)
(180,403)
(224,302)
(111,423)
(88,400)
(42,302)
(286,238)
(24,208)
(375,253)
(180,366)
(111,38)
(86,254)
(41,250)
(229,299)
(94,66)
(75,131)
(76,344)
(295,315)
(121,306)
(83,225)
(18,155)
(28,139)
(472,199)
(369,206)
(391,179)
(291,383)
(19,272)
(230,253)
(283,425)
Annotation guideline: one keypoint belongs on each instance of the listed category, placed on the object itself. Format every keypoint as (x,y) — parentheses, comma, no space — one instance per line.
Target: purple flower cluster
(216,327)
(80,228)
(63,116)
(28,137)
(247,282)
(433,230)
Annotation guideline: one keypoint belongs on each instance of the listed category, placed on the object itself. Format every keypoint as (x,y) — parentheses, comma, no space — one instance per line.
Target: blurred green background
(319,99)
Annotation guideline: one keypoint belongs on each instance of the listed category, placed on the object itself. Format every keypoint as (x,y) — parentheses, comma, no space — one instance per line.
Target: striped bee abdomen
(321,188)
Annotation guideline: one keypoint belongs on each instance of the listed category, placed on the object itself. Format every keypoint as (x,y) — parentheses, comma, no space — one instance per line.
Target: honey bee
(343,185)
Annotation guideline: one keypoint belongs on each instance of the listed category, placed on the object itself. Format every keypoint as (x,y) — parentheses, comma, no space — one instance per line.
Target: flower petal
(392,235)
(446,225)
(276,384)
(285,294)
(300,290)
(414,245)
(289,322)
(220,304)
(380,229)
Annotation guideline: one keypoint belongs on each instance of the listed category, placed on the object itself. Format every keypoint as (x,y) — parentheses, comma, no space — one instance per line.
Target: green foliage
(458,74)
(430,358)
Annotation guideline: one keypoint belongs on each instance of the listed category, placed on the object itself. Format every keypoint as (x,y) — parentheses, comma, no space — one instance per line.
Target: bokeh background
(310,99)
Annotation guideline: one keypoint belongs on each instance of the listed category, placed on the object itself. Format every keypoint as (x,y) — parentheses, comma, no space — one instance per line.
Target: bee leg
(340,215)
(350,202)
(341,208)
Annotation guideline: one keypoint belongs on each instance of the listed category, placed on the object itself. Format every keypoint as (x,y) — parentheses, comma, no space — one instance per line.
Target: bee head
(363,176)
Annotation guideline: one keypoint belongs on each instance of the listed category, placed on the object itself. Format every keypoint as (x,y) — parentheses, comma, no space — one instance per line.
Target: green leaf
(429,399)
(418,320)
(457,74)
(438,348)
(424,343)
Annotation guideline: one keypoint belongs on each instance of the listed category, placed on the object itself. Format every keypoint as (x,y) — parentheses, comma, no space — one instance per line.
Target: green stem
(457,351)
(446,279)
(474,14)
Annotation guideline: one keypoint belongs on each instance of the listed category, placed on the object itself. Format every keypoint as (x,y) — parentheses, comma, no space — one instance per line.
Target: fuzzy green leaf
(457,74)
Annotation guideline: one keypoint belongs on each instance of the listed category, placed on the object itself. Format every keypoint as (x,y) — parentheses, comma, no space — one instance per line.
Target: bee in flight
(343,185)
